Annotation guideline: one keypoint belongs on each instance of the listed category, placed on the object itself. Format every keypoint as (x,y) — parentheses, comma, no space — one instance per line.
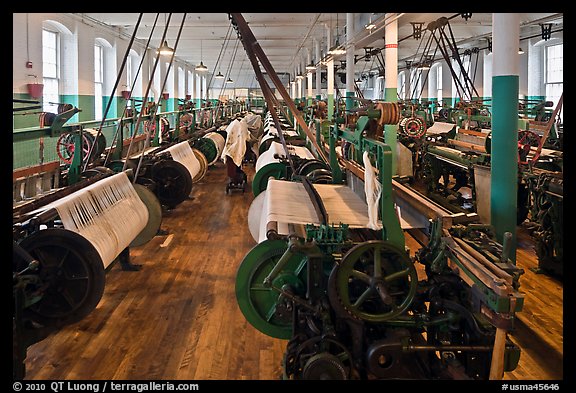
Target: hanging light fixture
(201,67)
(337,49)
(370,25)
(520,51)
(229,80)
(164,48)
(219,76)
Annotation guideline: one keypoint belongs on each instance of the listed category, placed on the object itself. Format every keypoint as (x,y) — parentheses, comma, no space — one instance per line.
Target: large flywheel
(70,277)
(264,307)
(154,215)
(375,281)
(173,182)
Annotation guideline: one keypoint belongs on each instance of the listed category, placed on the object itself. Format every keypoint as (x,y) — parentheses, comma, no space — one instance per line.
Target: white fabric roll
(288,203)
(218,139)
(182,153)
(108,213)
(277,149)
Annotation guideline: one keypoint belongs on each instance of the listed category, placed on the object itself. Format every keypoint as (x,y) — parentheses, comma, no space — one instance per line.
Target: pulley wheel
(98,141)
(319,358)
(324,366)
(260,305)
(414,127)
(526,141)
(203,165)
(389,113)
(65,147)
(208,147)
(71,276)
(276,170)
(173,182)
(375,282)
(186,121)
(311,165)
(154,215)
(97,170)
(320,176)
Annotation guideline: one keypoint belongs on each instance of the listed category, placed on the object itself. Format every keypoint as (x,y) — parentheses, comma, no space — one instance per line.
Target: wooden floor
(177,318)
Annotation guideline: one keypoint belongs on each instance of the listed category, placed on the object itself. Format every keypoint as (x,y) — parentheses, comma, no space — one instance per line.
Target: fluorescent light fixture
(337,50)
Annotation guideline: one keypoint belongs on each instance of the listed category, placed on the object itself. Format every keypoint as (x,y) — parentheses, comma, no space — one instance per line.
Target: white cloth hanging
(373,190)
(236,137)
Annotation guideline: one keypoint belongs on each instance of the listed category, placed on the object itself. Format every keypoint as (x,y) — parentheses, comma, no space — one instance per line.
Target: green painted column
(391,86)
(349,100)
(391,130)
(330,90)
(504,155)
(504,152)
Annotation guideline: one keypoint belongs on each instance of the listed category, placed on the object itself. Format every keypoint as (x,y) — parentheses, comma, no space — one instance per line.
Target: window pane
(98,64)
(554,63)
(50,94)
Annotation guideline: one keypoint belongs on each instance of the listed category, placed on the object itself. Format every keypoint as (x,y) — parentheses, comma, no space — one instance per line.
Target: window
(415,84)
(402,85)
(554,73)
(98,80)
(181,82)
(50,70)
(439,82)
(190,89)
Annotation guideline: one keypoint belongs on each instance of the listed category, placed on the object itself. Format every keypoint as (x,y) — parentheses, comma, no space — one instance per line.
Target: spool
(219,141)
(203,165)
(389,112)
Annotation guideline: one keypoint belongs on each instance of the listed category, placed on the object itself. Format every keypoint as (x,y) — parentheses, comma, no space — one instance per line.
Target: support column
(349,61)
(309,81)
(487,75)
(433,87)
(391,84)
(330,72)
(504,155)
(318,70)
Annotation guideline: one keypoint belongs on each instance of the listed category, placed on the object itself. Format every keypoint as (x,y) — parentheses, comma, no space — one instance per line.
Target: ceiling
(286,38)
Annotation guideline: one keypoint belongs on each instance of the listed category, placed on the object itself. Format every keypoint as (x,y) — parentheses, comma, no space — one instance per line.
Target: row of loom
(65,241)
(350,301)
(451,163)
(346,294)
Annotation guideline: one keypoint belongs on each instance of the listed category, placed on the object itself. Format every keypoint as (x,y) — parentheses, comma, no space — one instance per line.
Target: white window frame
(98,81)
(554,75)
(50,94)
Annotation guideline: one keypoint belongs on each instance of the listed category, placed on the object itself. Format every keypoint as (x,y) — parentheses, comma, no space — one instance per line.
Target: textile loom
(62,249)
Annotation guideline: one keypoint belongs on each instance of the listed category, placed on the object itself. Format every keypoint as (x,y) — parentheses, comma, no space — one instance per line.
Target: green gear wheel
(260,304)
(375,281)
